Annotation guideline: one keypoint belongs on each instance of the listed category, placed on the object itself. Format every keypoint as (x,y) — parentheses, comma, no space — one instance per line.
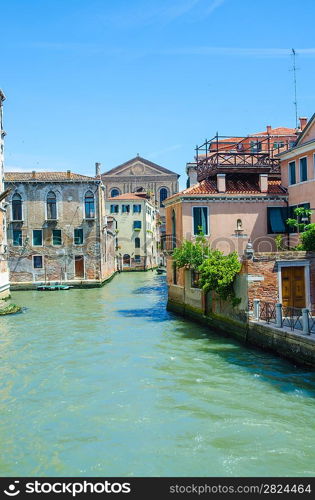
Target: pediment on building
(138,166)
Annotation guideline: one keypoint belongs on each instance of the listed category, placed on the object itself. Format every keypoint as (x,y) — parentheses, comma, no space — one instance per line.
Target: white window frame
(302,158)
(52,237)
(114,205)
(37,246)
(17,246)
(78,244)
(38,268)
(22,208)
(46,214)
(192,217)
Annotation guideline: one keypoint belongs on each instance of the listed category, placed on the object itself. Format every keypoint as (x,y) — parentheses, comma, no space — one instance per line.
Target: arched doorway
(126,260)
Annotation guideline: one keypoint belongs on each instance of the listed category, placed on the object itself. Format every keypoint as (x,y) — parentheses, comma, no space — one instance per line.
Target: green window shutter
(200,216)
(37,237)
(292,173)
(276,222)
(204,220)
(303,169)
(78,236)
(17,238)
(197,219)
(57,237)
(137,224)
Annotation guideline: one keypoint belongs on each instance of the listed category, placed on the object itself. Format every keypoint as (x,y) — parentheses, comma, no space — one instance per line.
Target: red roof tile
(235,184)
(45,177)
(130,196)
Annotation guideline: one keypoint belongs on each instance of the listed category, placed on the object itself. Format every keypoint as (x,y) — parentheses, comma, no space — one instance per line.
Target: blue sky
(103,80)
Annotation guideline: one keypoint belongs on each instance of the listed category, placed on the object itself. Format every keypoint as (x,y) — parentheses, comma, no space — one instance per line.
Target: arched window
(89,205)
(126,260)
(173,229)
(51,206)
(114,192)
(137,242)
(163,195)
(16,207)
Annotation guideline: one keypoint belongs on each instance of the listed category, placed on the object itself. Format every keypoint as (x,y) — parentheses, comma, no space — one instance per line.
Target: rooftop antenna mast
(294,69)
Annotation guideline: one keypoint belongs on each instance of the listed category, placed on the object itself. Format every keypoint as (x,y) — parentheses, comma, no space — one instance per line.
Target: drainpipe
(287,233)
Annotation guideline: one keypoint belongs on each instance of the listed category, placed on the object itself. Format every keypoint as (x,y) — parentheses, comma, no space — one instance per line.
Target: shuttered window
(292,173)
(276,220)
(200,216)
(303,169)
(37,237)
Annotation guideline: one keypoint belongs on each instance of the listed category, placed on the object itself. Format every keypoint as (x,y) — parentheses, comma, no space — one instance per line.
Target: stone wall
(263,278)
(97,253)
(221,317)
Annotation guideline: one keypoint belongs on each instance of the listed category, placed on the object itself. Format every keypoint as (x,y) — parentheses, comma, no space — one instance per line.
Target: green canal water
(106,382)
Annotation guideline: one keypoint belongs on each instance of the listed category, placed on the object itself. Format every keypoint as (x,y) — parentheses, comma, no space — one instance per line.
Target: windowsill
(17,220)
(51,220)
(89,218)
(301,182)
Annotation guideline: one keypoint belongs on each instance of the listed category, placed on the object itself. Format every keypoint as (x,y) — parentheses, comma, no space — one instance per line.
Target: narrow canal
(106,382)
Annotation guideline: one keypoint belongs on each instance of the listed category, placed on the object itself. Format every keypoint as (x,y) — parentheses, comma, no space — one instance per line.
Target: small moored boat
(42,287)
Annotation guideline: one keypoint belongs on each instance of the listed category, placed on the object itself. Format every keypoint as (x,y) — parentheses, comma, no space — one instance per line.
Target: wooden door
(79,266)
(293,286)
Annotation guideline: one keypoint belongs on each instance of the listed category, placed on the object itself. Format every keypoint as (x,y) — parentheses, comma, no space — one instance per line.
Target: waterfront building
(298,170)
(58,229)
(137,241)
(4,274)
(238,195)
(141,175)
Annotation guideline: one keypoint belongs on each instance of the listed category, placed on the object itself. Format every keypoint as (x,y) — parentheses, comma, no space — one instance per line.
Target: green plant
(191,254)
(218,273)
(308,238)
(278,242)
(297,223)
(10,309)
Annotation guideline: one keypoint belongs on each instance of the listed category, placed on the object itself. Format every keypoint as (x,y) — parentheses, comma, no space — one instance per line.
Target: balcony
(225,155)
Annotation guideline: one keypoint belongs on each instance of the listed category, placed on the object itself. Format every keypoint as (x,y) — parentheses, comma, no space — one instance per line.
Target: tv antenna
(294,69)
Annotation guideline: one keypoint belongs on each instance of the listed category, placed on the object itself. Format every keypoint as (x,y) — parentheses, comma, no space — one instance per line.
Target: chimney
(68,174)
(97,169)
(268,129)
(303,123)
(33,174)
(221,185)
(191,171)
(263,183)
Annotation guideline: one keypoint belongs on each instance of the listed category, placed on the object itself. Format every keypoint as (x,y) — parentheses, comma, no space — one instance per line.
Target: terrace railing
(295,318)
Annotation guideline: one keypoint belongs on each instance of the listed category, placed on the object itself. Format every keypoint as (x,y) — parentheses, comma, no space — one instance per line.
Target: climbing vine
(217,271)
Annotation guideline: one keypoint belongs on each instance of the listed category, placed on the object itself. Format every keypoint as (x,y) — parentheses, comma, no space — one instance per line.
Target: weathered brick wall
(59,261)
(262,273)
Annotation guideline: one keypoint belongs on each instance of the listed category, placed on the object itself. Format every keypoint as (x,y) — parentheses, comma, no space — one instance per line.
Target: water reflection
(107,382)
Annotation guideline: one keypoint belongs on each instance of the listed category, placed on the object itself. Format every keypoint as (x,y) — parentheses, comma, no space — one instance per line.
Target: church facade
(141,175)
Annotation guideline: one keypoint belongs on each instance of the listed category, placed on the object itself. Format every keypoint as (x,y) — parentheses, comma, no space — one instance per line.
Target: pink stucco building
(298,171)
(236,195)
